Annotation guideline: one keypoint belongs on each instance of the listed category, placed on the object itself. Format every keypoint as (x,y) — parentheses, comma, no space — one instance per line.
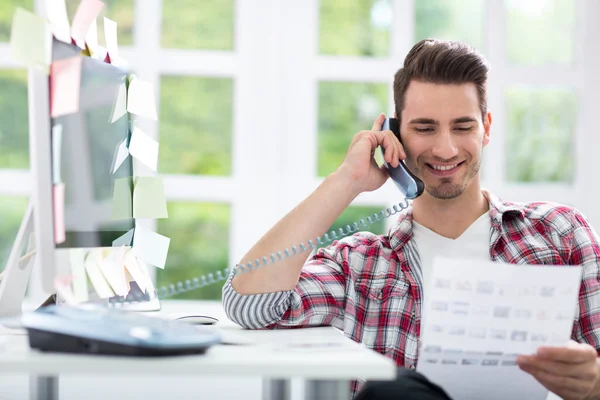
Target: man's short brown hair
(442,62)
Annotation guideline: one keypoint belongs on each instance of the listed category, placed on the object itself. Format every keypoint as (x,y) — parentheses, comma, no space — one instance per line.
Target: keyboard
(100,330)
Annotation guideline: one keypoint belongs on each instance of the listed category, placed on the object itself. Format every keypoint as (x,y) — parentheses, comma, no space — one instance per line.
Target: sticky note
(100,53)
(58,202)
(110,36)
(144,148)
(56,12)
(91,37)
(65,81)
(122,201)
(100,285)
(56,153)
(120,105)
(151,247)
(149,198)
(31,40)
(87,12)
(113,269)
(140,99)
(124,240)
(79,282)
(120,155)
(133,267)
(145,270)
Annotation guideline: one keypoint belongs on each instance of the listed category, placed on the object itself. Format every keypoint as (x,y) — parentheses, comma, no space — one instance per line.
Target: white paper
(110,36)
(120,103)
(151,247)
(91,37)
(56,11)
(140,99)
(481,315)
(121,155)
(144,148)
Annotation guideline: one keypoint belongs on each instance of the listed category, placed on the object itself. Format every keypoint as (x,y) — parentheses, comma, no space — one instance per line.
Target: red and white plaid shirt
(370,286)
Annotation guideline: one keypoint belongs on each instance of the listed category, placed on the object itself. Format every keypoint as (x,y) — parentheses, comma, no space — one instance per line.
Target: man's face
(443,136)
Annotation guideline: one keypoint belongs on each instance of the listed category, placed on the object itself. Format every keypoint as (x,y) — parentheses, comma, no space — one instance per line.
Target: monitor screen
(86,144)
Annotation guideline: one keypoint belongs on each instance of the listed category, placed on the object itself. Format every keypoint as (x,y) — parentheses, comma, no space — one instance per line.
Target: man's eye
(424,130)
(464,129)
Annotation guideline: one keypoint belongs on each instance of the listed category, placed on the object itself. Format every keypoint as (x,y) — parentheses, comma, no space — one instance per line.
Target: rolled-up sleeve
(585,251)
(318,298)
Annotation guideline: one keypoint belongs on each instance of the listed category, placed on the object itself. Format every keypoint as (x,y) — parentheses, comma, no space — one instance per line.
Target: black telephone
(411,186)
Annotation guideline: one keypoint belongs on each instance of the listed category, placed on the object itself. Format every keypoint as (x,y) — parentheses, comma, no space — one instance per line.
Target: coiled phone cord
(221,275)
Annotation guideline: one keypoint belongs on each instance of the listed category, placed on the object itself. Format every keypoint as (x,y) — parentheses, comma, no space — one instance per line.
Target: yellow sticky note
(113,269)
(31,40)
(79,283)
(65,81)
(100,285)
(144,148)
(87,12)
(122,204)
(140,99)
(149,198)
(151,247)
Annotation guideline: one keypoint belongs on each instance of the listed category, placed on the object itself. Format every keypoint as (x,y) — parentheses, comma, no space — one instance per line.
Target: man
(371,286)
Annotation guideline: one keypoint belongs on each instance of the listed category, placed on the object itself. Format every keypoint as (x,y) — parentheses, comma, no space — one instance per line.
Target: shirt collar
(401,231)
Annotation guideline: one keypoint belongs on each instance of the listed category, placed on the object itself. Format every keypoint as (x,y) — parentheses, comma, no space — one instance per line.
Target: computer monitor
(77,150)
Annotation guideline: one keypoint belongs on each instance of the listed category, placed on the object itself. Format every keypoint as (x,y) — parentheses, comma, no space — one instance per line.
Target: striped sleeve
(585,251)
(318,298)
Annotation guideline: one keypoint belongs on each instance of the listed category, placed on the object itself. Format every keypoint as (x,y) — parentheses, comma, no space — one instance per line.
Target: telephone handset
(411,186)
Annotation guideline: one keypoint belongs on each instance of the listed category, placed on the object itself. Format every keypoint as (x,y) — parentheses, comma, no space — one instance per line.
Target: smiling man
(372,286)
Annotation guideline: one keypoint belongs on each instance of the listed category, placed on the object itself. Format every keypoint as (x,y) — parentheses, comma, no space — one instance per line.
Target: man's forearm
(307,221)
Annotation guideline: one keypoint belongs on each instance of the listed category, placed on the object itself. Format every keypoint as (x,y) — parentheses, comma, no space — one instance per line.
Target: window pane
(355,28)
(540,32)
(354,214)
(12,210)
(14,124)
(120,11)
(344,110)
(452,20)
(192,24)
(7,9)
(540,139)
(199,235)
(195,125)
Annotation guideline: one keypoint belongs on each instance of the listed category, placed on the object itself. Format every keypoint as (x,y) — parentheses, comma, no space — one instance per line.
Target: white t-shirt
(474,243)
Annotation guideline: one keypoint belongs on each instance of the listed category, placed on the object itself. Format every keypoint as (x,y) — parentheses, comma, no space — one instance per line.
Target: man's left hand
(570,372)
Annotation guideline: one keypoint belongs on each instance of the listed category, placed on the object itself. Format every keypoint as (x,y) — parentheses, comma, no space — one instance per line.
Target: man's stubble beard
(446,190)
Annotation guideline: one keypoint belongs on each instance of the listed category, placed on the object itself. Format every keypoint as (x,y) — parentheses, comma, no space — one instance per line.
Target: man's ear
(487,125)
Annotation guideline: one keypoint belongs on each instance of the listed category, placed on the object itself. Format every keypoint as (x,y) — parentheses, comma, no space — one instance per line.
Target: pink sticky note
(65,81)
(87,12)
(58,192)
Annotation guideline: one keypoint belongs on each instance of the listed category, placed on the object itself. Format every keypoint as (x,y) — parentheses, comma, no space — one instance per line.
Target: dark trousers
(409,385)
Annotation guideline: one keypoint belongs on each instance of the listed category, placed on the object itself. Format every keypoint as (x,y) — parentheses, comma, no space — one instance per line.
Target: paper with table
(478,316)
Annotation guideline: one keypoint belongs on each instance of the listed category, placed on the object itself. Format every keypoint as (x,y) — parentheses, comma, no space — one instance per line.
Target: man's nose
(444,146)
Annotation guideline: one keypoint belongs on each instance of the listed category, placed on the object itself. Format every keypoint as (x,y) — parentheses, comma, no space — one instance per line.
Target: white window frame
(275,67)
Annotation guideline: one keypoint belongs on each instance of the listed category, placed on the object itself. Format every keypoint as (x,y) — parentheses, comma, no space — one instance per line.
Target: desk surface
(310,353)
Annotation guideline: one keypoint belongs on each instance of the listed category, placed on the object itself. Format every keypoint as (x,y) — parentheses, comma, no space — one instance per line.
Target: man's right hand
(359,168)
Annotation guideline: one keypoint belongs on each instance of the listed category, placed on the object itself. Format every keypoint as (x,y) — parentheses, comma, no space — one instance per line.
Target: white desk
(323,356)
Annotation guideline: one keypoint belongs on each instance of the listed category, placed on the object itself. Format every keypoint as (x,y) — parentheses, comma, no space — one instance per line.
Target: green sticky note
(31,40)
(149,198)
(122,202)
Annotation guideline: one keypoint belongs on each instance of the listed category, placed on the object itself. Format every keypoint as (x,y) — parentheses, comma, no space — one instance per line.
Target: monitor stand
(17,273)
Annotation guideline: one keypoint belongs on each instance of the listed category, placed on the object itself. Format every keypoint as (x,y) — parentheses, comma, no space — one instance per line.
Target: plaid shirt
(370,286)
